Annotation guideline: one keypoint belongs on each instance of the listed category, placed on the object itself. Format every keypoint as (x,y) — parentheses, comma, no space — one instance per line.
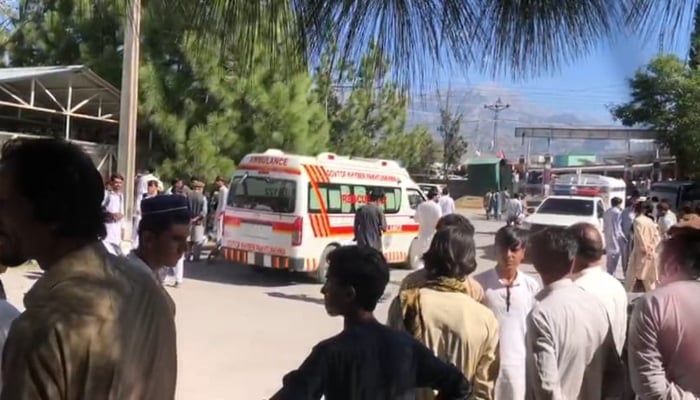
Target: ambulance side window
(346,206)
(414,198)
(314,201)
(393,200)
(346,199)
(360,196)
(334,199)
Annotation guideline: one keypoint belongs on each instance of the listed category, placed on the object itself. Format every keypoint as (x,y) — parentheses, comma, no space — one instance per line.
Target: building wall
(573,160)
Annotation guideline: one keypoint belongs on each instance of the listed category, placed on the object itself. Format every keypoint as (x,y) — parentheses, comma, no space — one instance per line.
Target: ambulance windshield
(261,193)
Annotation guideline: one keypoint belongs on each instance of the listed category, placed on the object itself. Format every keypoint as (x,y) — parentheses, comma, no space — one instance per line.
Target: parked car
(565,211)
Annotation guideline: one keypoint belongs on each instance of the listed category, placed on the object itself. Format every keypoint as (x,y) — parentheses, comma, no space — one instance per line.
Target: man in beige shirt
(569,340)
(95,325)
(443,316)
(642,267)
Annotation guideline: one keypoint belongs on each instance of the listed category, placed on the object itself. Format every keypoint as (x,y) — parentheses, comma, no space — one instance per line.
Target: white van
(289,211)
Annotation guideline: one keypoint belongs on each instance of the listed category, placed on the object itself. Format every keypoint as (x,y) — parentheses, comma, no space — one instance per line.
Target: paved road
(240,331)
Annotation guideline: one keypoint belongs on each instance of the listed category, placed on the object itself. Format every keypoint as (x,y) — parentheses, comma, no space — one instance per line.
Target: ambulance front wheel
(415,257)
(320,274)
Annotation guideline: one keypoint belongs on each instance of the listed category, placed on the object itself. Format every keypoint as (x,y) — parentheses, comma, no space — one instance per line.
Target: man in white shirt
(513,210)
(113,205)
(510,294)
(144,178)
(151,191)
(568,333)
(427,215)
(222,198)
(447,204)
(615,239)
(589,274)
(665,217)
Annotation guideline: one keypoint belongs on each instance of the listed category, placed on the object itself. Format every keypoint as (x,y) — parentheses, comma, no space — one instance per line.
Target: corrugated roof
(95,95)
(21,73)
(24,73)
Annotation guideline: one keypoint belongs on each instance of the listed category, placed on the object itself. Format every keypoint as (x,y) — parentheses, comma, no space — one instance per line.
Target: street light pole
(126,153)
(497,107)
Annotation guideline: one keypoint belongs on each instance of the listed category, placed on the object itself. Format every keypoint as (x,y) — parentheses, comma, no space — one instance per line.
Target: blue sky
(588,85)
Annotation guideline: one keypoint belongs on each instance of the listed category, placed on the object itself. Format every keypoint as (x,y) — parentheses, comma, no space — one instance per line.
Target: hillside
(477,124)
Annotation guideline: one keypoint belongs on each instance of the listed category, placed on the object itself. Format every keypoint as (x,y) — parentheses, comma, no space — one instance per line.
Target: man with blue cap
(163,232)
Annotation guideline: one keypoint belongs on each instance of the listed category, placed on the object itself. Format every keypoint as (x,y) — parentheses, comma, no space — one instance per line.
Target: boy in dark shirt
(367,360)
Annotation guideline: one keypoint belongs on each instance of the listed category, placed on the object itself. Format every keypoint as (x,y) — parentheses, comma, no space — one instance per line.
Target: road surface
(240,331)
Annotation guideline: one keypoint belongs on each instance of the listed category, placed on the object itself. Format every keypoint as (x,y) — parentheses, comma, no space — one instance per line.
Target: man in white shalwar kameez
(114,207)
(179,267)
(151,191)
(510,294)
(222,198)
(615,239)
(143,190)
(427,215)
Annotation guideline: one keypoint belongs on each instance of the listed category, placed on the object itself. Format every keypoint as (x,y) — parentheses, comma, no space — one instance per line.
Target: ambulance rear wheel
(320,274)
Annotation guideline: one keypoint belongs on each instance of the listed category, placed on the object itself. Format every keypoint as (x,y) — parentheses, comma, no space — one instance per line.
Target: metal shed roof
(73,91)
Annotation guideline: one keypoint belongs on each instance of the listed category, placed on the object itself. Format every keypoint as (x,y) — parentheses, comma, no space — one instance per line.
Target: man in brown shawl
(96,326)
(443,316)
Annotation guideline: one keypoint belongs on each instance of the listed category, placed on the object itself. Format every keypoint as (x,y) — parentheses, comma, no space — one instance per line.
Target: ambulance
(287,211)
(589,185)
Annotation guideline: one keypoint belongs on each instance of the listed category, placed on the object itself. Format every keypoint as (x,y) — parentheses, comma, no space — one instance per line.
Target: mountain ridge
(478,123)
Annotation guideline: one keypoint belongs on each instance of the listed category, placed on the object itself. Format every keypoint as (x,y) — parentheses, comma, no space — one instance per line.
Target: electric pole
(126,153)
(496,107)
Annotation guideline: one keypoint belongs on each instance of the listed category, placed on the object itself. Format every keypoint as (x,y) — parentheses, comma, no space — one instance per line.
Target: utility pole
(496,107)
(126,154)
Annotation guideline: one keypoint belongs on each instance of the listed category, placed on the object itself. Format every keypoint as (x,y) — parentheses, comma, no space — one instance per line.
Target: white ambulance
(590,185)
(288,211)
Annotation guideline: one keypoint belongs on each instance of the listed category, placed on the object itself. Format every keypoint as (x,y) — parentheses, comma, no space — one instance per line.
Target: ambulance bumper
(266,260)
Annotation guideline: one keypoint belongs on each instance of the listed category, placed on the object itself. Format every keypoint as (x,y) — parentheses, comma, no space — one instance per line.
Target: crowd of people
(101,326)
(500,203)
(634,238)
(203,223)
(508,336)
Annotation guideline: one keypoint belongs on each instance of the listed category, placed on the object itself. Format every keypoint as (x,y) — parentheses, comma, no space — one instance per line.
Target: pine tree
(368,114)
(694,51)
(68,32)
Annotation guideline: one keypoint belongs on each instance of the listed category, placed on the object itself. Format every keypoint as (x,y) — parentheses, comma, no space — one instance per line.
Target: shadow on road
(243,275)
(314,300)
(297,297)
(488,252)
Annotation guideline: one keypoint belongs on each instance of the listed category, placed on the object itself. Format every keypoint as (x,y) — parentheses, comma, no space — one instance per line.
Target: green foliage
(367,111)
(204,108)
(694,51)
(209,115)
(454,144)
(65,32)
(665,96)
